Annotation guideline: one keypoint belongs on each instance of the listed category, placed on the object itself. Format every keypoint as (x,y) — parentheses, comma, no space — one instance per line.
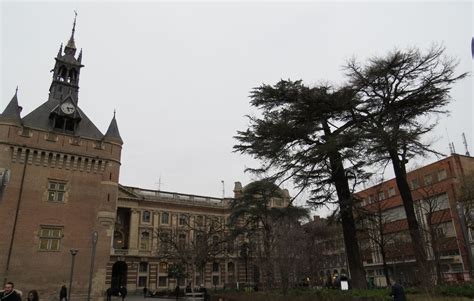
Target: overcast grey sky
(179,74)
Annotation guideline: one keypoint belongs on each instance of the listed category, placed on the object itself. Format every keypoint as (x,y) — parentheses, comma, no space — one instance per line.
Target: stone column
(133,235)
(154,235)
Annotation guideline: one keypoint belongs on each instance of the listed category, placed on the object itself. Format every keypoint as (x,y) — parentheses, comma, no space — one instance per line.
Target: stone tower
(59,183)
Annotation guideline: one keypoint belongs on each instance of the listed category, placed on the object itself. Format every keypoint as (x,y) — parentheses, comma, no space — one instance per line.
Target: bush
(464,290)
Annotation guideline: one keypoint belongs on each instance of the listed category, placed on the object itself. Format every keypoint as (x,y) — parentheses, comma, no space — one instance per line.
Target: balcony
(119,252)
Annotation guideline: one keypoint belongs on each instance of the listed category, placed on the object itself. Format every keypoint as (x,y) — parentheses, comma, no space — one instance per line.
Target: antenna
(223,189)
(465,144)
(159,183)
(453,149)
(451,146)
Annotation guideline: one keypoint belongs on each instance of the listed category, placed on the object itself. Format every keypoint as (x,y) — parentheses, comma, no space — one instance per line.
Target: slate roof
(12,111)
(39,119)
(113,133)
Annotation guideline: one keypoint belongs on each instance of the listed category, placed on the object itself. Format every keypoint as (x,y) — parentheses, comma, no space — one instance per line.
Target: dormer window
(63,123)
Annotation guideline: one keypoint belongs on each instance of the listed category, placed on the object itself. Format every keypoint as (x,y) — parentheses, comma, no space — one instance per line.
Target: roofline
(415,170)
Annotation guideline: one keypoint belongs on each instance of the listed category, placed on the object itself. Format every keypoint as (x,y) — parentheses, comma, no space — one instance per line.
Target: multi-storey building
(59,201)
(437,193)
(143,215)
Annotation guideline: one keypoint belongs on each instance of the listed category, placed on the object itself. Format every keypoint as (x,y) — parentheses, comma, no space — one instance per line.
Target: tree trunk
(414,229)
(345,201)
(385,266)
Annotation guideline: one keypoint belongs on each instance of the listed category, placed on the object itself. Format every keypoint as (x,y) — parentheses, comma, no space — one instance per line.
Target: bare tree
(195,242)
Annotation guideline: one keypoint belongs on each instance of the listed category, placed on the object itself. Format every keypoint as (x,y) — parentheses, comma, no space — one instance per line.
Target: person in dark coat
(123,292)
(398,293)
(32,296)
(176,291)
(9,294)
(145,290)
(63,293)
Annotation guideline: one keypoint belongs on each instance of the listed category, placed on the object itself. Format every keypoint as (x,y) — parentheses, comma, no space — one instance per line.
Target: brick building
(60,184)
(437,192)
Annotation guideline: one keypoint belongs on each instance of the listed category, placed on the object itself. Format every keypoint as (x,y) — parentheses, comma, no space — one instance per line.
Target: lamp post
(73,254)
(95,238)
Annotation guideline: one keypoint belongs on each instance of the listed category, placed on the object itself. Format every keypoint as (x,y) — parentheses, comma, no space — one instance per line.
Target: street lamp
(73,254)
(95,238)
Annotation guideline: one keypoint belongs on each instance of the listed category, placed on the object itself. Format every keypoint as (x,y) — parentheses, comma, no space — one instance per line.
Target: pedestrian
(63,293)
(108,293)
(9,294)
(188,288)
(176,290)
(398,293)
(123,292)
(145,290)
(32,296)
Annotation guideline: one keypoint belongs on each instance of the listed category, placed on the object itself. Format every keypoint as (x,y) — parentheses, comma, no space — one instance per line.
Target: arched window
(144,240)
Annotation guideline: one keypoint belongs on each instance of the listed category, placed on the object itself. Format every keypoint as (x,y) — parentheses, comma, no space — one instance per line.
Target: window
(146,217)
(50,238)
(165,218)
(144,240)
(414,184)
(215,267)
(428,179)
(442,174)
(143,267)
(182,220)
(199,220)
(215,280)
(278,202)
(391,192)
(162,281)
(381,195)
(164,241)
(163,267)
(371,199)
(56,191)
(182,240)
(142,281)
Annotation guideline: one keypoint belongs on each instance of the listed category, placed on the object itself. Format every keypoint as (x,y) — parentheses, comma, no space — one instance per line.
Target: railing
(120,251)
(155,194)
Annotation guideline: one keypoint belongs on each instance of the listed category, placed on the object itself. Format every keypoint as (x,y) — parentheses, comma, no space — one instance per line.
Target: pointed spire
(79,58)
(71,44)
(113,133)
(60,52)
(12,111)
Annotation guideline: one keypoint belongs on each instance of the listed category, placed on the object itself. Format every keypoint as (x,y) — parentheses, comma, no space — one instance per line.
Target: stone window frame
(56,188)
(142,245)
(163,215)
(50,241)
(146,217)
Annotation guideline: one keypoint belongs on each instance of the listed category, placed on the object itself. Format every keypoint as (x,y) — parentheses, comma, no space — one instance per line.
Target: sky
(178,74)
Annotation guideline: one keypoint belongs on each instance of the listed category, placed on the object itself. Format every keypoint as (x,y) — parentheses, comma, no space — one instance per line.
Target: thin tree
(254,216)
(398,96)
(301,137)
(195,243)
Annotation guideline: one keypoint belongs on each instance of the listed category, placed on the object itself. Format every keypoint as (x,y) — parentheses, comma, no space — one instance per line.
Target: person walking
(176,290)
(32,296)
(398,293)
(9,294)
(63,293)
(145,291)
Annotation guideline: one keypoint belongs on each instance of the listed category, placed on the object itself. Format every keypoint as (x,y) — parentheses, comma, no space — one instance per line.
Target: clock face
(68,108)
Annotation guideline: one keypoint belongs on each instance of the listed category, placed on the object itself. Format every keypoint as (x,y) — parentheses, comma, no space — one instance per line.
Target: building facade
(59,187)
(438,199)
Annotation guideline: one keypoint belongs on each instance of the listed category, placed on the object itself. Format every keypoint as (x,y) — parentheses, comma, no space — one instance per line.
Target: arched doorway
(119,274)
